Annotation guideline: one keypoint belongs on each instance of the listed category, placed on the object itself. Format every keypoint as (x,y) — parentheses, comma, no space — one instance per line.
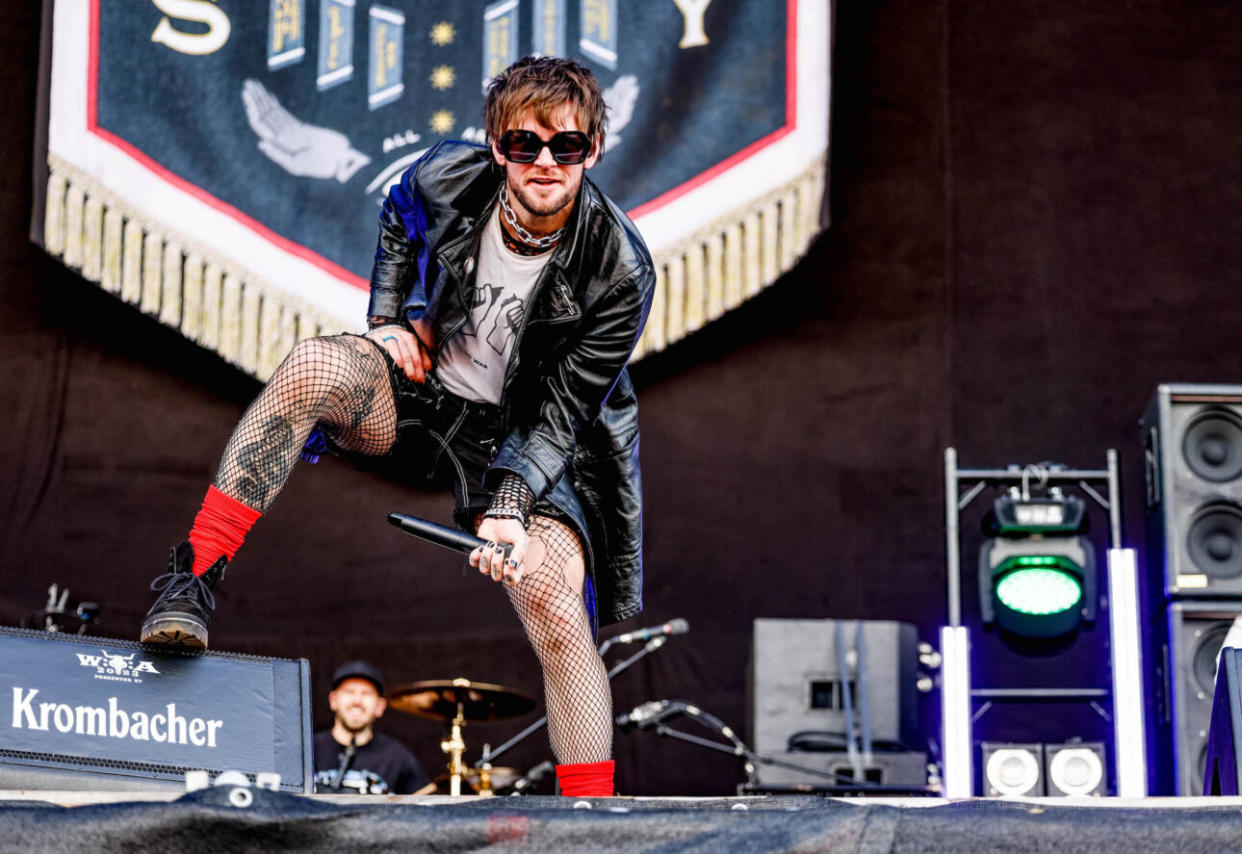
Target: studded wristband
(513,500)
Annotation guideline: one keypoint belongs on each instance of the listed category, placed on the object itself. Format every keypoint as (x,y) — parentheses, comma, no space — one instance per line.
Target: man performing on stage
(506,298)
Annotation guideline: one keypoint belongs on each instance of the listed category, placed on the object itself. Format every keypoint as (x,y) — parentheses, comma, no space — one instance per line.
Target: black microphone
(649,713)
(449,538)
(672,627)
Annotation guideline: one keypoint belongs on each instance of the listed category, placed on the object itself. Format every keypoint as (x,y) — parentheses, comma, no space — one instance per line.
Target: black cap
(358,670)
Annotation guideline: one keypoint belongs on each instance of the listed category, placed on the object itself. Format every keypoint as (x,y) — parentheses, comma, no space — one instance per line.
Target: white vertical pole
(955,711)
(1129,737)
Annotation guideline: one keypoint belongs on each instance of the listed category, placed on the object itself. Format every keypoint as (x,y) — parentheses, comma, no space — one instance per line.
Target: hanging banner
(220,163)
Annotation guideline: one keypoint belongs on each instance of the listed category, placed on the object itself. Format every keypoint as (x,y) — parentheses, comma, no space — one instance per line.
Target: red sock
(586,779)
(219,528)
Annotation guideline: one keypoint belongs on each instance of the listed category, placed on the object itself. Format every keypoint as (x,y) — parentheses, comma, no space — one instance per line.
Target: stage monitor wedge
(1192,443)
(798,688)
(103,714)
(835,770)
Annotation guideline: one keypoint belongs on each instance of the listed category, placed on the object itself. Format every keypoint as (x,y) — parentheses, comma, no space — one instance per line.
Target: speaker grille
(1214,541)
(1212,445)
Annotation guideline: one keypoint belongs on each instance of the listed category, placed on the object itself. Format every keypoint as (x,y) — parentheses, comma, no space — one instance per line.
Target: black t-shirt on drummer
(382,766)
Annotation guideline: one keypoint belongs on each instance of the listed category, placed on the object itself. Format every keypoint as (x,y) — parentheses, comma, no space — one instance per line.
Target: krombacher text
(112,721)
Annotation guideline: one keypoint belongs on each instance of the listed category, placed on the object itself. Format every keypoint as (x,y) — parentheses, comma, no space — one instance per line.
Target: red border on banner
(92,125)
(791,122)
(300,251)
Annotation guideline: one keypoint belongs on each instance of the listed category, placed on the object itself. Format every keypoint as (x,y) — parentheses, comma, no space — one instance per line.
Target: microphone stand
(648,648)
(533,776)
(750,757)
(347,760)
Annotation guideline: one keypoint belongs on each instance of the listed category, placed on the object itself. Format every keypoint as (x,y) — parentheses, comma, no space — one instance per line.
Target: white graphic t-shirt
(474,360)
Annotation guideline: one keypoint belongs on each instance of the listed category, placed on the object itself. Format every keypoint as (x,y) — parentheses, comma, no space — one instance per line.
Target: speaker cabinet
(1224,753)
(99,713)
(805,673)
(1192,437)
(1196,633)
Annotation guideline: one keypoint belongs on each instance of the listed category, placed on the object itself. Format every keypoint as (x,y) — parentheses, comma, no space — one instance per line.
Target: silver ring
(389,338)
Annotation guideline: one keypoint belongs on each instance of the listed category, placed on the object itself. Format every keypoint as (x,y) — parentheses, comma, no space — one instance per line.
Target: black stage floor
(228,819)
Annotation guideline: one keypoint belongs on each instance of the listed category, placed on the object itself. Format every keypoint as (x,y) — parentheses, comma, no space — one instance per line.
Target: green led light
(1039,591)
(1035,560)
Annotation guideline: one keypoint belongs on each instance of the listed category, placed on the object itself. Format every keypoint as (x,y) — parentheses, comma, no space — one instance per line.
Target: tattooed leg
(338,383)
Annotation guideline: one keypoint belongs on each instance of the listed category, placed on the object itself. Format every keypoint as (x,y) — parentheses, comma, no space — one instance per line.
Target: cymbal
(500,778)
(439,699)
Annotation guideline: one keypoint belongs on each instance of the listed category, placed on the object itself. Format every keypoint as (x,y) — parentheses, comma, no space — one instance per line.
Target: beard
(549,206)
(348,727)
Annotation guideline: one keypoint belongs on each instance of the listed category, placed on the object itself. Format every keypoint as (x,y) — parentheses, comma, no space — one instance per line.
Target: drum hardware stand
(648,648)
(454,745)
(457,702)
(59,608)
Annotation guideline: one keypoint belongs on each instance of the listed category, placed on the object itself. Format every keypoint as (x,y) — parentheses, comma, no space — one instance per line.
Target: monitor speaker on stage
(1197,632)
(809,677)
(1192,436)
(87,713)
(837,771)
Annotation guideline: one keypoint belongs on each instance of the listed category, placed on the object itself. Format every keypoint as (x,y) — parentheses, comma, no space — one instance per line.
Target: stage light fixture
(1013,770)
(1075,769)
(1037,576)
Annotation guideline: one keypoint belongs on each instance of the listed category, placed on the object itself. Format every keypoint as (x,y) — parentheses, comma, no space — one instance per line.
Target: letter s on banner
(201,11)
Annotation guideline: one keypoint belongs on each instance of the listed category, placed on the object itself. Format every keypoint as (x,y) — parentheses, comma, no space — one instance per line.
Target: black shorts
(444,440)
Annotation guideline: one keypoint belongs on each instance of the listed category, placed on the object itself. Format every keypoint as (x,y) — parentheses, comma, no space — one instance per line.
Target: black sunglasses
(523,146)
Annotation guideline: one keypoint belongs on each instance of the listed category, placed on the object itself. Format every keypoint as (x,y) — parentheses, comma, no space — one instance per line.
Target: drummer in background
(373,763)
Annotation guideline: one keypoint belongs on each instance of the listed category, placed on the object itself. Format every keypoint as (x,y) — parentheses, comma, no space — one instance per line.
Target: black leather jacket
(568,405)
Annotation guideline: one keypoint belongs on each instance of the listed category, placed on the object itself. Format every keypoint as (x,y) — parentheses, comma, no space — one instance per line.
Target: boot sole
(178,630)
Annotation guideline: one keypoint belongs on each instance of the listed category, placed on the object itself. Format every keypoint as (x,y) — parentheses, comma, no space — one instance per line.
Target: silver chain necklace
(548,240)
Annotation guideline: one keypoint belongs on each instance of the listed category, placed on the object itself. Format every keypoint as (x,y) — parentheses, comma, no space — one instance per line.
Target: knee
(318,368)
(555,628)
(310,354)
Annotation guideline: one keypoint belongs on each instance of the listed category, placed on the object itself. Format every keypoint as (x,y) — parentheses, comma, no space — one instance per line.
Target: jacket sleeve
(399,274)
(578,386)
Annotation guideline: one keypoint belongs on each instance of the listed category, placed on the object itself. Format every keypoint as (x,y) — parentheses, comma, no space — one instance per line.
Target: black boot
(180,615)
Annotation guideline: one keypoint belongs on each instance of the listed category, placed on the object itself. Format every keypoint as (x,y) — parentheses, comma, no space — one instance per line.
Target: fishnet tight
(341,384)
(549,603)
(338,383)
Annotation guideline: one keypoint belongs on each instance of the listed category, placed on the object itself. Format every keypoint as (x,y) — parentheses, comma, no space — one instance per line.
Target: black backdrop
(1035,210)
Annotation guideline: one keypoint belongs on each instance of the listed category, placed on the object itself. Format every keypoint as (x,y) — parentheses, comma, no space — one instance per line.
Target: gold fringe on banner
(168,276)
(253,325)
(113,227)
(732,259)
